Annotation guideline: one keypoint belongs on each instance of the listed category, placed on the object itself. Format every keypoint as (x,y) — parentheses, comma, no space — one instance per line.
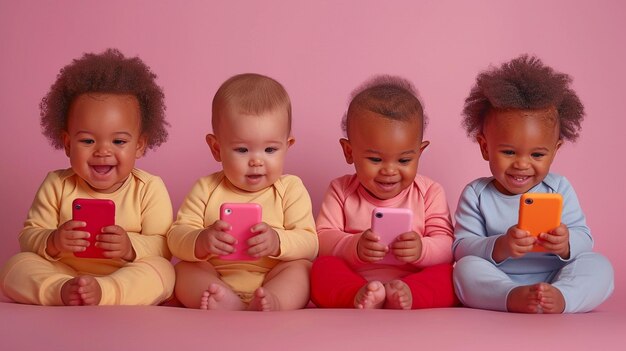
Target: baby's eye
(241,150)
(375,159)
(271,150)
(508,152)
(537,155)
(86,141)
(404,161)
(119,141)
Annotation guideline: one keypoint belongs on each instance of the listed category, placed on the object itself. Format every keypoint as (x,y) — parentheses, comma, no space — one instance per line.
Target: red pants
(334,285)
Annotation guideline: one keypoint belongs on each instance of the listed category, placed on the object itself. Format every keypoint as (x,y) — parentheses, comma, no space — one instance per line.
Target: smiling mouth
(102,169)
(519,179)
(386,185)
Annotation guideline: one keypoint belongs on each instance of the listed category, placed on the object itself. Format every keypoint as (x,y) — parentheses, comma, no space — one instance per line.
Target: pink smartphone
(388,224)
(241,217)
(97,213)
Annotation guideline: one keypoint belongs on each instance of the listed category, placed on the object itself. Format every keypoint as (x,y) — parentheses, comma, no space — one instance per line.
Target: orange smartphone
(539,213)
(97,213)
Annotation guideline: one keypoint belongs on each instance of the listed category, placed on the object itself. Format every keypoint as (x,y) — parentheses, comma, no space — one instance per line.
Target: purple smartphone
(388,223)
(241,217)
(97,213)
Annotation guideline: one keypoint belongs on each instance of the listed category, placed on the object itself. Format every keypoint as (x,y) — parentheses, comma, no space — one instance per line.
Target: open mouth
(386,185)
(519,179)
(102,169)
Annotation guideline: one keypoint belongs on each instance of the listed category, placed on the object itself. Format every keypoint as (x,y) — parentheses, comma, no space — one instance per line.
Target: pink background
(320,50)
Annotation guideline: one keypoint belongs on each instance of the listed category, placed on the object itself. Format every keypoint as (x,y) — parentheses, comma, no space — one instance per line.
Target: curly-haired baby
(104,111)
(520,114)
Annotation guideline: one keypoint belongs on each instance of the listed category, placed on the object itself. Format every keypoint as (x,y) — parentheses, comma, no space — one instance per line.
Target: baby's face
(385,152)
(520,146)
(103,139)
(252,148)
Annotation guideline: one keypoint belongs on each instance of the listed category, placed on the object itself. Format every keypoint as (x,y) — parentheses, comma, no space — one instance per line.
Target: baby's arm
(156,219)
(43,217)
(185,232)
(436,241)
(331,223)
(470,232)
(298,239)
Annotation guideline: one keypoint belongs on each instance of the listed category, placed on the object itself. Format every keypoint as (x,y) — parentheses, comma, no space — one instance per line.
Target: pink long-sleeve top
(346,213)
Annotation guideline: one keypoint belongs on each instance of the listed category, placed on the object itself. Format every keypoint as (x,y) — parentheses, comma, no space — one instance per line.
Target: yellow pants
(31,279)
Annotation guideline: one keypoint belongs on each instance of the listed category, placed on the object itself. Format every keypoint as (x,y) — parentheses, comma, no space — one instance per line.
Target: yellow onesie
(142,207)
(286,208)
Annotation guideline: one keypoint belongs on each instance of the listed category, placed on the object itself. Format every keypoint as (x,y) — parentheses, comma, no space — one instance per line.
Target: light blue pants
(585,282)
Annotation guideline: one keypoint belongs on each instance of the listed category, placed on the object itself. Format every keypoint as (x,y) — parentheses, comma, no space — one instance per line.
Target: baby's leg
(585,282)
(194,281)
(81,291)
(218,296)
(31,279)
(525,299)
(371,295)
(398,295)
(432,287)
(286,287)
(333,283)
(480,284)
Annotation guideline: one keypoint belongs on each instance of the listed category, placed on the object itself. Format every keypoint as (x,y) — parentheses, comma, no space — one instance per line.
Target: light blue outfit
(483,214)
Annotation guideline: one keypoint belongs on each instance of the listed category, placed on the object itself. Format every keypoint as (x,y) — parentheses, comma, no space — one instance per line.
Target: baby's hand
(67,239)
(115,243)
(265,243)
(215,241)
(515,243)
(407,247)
(556,241)
(369,249)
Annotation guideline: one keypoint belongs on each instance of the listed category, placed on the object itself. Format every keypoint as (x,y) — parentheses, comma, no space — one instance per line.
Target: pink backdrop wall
(320,50)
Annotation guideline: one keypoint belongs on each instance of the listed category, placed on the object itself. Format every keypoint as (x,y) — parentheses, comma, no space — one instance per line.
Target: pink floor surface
(26,327)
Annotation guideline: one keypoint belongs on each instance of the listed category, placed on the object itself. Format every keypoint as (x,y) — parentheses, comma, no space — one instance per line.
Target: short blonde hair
(249,93)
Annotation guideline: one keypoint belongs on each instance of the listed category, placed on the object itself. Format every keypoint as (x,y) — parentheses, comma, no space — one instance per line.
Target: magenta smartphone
(388,224)
(241,217)
(97,213)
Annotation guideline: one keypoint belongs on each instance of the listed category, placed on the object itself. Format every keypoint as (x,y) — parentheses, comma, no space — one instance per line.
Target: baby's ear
(214,145)
(66,143)
(142,143)
(482,142)
(347,150)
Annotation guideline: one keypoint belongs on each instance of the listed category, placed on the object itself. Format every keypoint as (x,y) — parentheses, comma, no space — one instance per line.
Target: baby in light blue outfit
(520,114)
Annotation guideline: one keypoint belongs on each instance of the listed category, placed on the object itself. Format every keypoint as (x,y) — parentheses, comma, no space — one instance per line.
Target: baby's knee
(18,260)
(468,265)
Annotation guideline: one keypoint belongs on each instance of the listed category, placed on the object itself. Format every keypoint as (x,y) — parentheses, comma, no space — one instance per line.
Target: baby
(520,114)
(104,110)
(384,125)
(251,134)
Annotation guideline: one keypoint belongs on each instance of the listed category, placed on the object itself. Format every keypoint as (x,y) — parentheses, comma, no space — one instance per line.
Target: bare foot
(81,291)
(399,295)
(264,301)
(551,299)
(218,297)
(371,295)
(524,299)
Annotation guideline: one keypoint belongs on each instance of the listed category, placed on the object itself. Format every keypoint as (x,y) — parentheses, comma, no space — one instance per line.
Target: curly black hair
(392,97)
(523,83)
(109,72)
